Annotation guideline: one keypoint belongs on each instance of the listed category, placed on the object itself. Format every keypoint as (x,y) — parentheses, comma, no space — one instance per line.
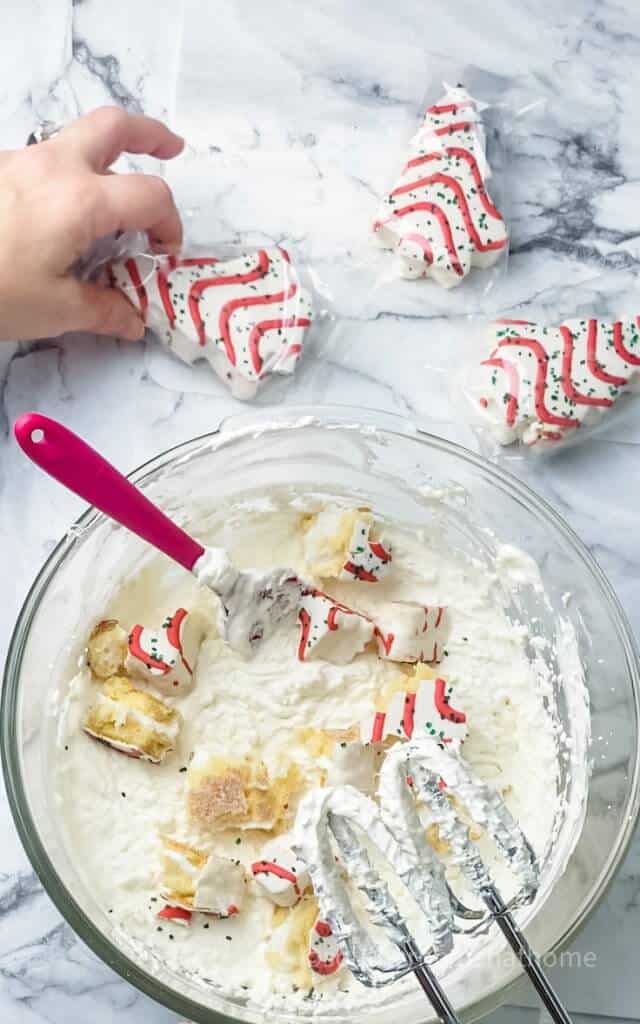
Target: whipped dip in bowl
(533,650)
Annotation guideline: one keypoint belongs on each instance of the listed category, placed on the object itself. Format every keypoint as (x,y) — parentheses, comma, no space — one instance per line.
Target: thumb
(101,310)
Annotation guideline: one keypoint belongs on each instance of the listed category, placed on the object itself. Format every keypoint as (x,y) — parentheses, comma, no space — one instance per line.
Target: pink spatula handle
(71,462)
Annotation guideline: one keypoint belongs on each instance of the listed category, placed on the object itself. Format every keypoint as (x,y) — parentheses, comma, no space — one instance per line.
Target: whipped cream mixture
(288,716)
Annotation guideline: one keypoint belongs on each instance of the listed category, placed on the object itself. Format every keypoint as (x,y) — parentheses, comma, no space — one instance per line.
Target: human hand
(59,197)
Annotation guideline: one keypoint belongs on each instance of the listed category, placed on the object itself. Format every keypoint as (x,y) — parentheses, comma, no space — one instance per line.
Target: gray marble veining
(295,120)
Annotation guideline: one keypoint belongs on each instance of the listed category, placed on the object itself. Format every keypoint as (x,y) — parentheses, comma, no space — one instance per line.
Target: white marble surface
(293,117)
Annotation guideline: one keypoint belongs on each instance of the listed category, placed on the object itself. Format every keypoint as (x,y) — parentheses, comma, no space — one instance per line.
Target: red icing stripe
(423,244)
(132,269)
(173,629)
(359,572)
(462,154)
(509,369)
(174,638)
(165,296)
(262,867)
(258,332)
(409,714)
(305,628)
(518,323)
(592,360)
(449,108)
(175,914)
(136,651)
(450,129)
(378,727)
(439,617)
(379,551)
(619,345)
(448,182)
(233,305)
(196,261)
(324,967)
(385,639)
(445,710)
(331,619)
(441,217)
(216,282)
(567,369)
(544,414)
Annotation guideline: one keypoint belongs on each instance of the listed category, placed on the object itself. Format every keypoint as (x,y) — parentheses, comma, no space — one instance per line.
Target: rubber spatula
(254,603)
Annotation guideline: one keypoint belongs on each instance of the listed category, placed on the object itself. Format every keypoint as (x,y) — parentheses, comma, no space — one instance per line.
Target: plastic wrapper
(245,313)
(543,385)
(438,219)
(445,216)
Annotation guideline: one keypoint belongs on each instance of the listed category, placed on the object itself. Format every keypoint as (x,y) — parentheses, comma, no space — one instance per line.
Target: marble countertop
(285,111)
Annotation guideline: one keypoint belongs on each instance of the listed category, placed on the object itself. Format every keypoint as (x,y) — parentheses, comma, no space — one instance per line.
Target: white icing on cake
(411,632)
(540,384)
(345,543)
(279,874)
(331,630)
(247,316)
(166,657)
(439,218)
(427,710)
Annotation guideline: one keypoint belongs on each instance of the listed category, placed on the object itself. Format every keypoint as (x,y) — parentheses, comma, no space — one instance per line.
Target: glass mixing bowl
(408,475)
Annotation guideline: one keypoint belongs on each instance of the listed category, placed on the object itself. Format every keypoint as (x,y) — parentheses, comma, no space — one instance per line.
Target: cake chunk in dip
(195,822)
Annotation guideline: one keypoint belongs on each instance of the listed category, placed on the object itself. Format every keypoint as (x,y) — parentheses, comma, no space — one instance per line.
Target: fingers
(101,136)
(101,310)
(139,202)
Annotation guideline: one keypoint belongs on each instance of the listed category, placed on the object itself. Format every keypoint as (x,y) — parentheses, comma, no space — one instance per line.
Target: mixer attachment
(341,835)
(339,819)
(423,772)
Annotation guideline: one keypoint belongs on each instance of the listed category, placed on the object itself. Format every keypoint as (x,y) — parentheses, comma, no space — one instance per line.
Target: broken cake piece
(330,630)
(281,876)
(166,657)
(133,721)
(225,793)
(416,705)
(410,632)
(345,543)
(287,950)
(195,881)
(107,649)
(325,955)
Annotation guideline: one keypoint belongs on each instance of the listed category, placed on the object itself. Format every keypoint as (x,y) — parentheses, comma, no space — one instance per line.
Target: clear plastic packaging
(439,220)
(542,385)
(245,312)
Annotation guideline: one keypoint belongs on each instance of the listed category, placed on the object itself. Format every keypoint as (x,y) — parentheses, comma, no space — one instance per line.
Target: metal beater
(330,827)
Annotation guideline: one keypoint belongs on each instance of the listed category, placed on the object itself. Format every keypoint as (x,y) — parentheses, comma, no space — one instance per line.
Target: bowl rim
(228,430)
